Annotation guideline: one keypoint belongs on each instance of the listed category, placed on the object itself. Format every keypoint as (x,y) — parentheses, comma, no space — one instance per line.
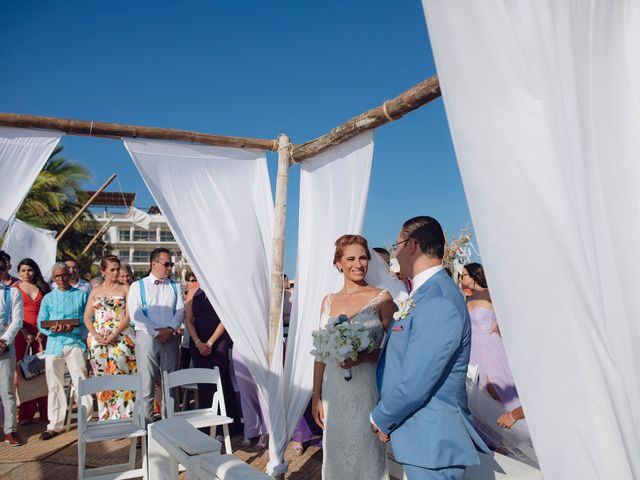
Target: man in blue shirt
(65,344)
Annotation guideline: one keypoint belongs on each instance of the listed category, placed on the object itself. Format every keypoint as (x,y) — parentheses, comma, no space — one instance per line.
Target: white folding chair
(203,417)
(99,431)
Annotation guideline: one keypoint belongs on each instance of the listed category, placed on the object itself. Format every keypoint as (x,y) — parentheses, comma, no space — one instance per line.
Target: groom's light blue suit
(421,384)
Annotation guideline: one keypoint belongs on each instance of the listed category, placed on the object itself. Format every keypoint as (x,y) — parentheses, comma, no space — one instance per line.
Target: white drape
(23,153)
(333,196)
(25,241)
(543,102)
(139,218)
(218,204)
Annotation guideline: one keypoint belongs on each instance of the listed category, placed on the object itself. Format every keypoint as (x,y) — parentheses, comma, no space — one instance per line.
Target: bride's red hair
(345,240)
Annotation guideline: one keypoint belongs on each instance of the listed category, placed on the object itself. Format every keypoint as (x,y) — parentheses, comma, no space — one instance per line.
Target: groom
(423,365)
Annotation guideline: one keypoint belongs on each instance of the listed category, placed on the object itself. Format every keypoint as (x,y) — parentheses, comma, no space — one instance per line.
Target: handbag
(32,365)
(31,389)
(31,382)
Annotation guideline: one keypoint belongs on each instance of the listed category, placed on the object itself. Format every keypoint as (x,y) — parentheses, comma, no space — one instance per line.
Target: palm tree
(54,200)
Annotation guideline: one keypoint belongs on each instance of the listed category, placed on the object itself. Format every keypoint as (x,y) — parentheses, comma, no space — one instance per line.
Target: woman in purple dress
(210,344)
(487,349)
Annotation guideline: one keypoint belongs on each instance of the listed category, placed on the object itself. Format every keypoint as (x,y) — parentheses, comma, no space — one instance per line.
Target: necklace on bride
(356,290)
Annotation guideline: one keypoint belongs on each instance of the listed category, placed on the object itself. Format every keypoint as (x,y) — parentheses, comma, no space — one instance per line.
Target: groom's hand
(384,438)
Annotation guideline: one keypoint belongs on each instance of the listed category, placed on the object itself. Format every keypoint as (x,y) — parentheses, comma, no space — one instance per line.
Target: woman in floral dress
(111,341)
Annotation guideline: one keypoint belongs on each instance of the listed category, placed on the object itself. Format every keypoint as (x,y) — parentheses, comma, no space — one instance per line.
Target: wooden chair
(99,431)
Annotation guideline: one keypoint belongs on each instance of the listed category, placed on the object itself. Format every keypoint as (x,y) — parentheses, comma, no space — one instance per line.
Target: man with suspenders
(156,308)
(10,325)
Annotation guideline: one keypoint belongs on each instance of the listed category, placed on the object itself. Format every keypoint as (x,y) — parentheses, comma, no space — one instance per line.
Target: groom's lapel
(421,292)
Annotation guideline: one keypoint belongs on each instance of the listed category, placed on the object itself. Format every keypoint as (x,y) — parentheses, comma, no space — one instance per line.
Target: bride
(341,408)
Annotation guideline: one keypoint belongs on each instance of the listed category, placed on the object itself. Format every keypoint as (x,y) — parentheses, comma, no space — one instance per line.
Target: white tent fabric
(334,187)
(543,102)
(139,218)
(25,241)
(219,206)
(23,153)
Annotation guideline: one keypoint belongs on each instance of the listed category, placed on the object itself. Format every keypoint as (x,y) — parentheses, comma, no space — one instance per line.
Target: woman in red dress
(32,287)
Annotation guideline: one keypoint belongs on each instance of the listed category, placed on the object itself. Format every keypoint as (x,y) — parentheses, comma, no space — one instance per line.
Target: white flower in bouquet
(340,340)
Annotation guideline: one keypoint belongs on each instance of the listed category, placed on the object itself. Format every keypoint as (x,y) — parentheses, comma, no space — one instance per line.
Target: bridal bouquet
(340,340)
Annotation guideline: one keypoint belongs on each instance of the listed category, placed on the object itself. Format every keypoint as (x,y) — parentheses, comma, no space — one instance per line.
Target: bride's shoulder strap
(377,300)
(326,304)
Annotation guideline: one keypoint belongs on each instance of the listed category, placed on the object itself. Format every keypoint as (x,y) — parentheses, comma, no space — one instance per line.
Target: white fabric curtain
(219,206)
(334,187)
(25,241)
(139,218)
(543,102)
(23,153)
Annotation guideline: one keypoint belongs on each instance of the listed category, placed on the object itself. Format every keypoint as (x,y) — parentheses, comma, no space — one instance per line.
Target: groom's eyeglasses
(396,245)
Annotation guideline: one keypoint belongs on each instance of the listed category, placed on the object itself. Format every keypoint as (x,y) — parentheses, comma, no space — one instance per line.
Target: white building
(130,240)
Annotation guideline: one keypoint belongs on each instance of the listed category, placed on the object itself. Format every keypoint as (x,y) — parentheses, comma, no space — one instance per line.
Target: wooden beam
(277,264)
(391,110)
(97,235)
(85,206)
(116,131)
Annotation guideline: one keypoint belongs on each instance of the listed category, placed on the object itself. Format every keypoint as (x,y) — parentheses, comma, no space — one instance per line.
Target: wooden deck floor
(57,458)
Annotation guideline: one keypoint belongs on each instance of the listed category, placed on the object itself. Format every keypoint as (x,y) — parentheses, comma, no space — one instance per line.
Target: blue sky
(252,68)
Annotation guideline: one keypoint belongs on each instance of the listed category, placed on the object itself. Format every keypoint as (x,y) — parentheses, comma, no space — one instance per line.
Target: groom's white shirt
(417,281)
(421,278)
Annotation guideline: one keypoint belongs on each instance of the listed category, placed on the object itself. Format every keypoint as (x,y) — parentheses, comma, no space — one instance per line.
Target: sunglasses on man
(166,264)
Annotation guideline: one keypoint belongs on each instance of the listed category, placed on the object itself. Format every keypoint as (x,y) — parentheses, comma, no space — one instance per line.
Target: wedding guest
(74,276)
(307,432)
(508,419)
(185,352)
(210,344)
(487,349)
(110,339)
(5,278)
(254,411)
(126,274)
(33,288)
(384,253)
(10,324)
(156,307)
(65,345)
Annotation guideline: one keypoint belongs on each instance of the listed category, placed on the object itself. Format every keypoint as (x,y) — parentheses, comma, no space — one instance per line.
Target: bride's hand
(362,357)
(348,363)
(318,412)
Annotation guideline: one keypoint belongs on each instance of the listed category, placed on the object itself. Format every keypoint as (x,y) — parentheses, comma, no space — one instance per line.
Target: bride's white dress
(351,451)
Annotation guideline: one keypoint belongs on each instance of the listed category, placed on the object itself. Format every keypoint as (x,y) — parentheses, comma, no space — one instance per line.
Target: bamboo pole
(97,235)
(115,131)
(85,206)
(391,110)
(277,280)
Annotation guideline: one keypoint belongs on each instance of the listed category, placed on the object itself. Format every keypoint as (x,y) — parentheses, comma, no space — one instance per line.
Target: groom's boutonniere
(405,304)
